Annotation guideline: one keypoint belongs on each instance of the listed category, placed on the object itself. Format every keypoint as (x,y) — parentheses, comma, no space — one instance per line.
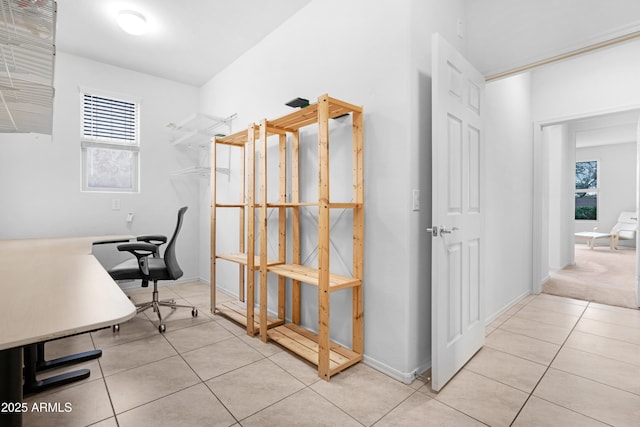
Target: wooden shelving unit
(316,348)
(243,310)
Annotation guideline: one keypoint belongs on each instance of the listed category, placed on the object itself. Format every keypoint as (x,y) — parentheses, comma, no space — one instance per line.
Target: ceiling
(188,41)
(192,40)
(506,34)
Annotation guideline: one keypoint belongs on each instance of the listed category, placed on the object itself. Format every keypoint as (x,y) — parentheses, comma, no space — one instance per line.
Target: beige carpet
(599,275)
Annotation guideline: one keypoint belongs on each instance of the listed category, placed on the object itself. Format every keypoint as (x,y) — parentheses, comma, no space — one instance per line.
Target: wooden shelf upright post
(324,223)
(357,343)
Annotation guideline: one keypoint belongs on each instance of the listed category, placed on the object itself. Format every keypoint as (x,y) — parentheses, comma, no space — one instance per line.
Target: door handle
(444,230)
(435,230)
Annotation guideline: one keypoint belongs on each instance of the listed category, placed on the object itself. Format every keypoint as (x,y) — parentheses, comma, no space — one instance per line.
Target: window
(587,190)
(110,143)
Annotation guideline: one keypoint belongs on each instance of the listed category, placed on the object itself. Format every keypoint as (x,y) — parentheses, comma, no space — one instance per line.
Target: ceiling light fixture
(132,22)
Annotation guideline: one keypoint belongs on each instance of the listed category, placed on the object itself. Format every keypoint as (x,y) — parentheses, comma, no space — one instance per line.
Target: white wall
(378,57)
(40,176)
(617,178)
(601,81)
(508,137)
(561,158)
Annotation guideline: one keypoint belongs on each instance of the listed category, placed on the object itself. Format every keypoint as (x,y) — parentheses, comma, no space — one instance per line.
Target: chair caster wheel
(194,312)
(162,327)
(115,328)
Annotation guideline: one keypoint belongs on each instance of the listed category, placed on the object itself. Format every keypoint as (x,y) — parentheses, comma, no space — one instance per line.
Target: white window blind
(109,120)
(110,143)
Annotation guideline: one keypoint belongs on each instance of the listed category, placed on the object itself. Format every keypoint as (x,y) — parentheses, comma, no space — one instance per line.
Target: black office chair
(149,266)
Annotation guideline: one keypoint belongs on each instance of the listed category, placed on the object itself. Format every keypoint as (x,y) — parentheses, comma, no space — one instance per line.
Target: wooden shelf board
(310,276)
(241,258)
(345,205)
(237,311)
(308,115)
(290,204)
(231,205)
(239,138)
(304,343)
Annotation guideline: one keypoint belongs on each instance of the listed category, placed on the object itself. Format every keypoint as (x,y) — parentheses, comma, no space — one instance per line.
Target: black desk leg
(11,387)
(42,364)
(33,385)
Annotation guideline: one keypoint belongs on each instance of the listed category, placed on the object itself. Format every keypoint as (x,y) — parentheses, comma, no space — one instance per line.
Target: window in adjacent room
(587,190)
(110,143)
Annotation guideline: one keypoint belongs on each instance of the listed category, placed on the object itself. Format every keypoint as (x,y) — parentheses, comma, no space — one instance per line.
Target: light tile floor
(548,361)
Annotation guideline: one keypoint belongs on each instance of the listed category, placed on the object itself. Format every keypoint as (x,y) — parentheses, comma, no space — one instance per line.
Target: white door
(457,277)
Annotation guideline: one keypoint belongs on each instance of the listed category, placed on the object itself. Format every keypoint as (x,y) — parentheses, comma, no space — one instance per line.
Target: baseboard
(404,377)
(544,280)
(507,307)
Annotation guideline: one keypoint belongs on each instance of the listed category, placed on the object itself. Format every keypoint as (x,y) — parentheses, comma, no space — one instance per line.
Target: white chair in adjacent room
(624,229)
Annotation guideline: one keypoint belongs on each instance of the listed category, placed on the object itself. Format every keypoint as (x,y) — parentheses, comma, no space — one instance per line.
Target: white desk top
(50,288)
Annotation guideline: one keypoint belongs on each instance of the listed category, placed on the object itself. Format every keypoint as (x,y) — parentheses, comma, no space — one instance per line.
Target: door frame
(540,225)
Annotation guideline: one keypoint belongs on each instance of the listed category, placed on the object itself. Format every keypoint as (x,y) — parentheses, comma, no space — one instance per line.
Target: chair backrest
(170,259)
(626,226)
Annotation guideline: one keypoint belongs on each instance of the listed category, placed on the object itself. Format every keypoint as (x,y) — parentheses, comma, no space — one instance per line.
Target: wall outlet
(415,200)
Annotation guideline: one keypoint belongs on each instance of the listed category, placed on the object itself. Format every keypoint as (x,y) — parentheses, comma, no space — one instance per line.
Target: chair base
(156,303)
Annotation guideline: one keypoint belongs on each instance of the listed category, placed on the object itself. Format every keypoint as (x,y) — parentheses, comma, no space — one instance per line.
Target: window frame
(595,190)
(97,142)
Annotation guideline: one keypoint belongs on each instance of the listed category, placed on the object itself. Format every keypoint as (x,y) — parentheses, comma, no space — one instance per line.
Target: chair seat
(592,234)
(129,270)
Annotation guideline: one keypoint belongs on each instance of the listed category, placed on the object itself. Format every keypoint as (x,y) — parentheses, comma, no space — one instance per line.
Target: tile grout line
(106,387)
(203,382)
(431,398)
(159,360)
(549,367)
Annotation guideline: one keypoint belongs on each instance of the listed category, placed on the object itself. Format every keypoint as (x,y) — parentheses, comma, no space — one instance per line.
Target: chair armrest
(141,250)
(156,239)
(110,241)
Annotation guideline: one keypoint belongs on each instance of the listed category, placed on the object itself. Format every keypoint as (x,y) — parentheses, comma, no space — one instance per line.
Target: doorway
(608,142)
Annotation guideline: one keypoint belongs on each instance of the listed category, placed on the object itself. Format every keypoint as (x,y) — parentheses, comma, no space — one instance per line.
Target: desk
(51,288)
